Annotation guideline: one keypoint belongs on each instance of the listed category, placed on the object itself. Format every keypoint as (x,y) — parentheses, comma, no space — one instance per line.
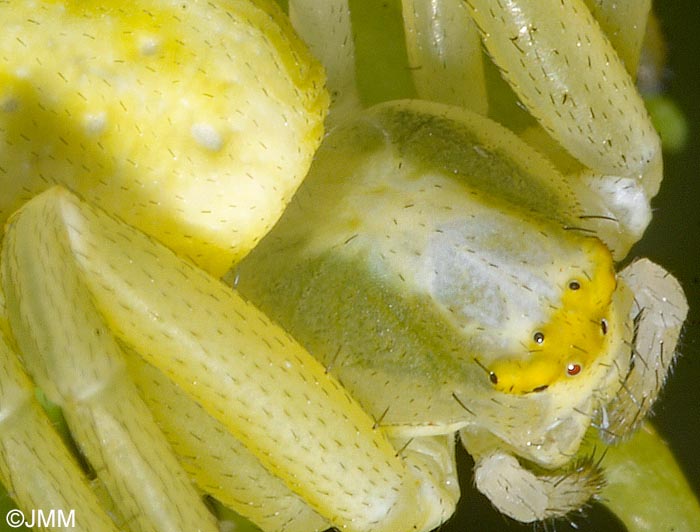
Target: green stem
(646,488)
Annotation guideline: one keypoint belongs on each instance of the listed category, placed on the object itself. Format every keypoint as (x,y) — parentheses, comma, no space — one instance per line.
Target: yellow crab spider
(483,271)
(182,129)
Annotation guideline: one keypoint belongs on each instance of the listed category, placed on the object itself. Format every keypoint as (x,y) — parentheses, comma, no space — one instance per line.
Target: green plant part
(446,277)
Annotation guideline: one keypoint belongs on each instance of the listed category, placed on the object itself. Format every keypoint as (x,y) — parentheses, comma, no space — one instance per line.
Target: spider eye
(538,337)
(573,369)
(604,326)
(574,285)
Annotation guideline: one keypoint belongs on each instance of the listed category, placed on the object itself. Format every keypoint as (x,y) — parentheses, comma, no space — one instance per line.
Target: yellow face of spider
(573,338)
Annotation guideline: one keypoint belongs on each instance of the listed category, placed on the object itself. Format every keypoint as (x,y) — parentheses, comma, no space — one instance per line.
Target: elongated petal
(325,27)
(245,371)
(35,465)
(570,78)
(444,49)
(220,464)
(72,356)
(624,23)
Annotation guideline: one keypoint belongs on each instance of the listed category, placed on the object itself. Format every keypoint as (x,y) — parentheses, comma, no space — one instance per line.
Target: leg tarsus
(432,461)
(527,496)
(657,315)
